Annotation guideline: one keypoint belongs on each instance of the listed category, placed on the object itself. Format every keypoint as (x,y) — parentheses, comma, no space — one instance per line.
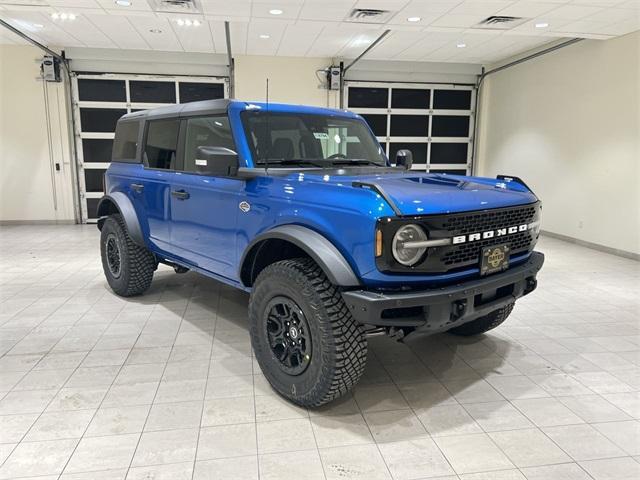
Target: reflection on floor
(164,386)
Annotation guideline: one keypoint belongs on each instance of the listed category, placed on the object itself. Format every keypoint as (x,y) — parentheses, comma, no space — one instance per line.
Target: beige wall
(30,189)
(568,124)
(291,80)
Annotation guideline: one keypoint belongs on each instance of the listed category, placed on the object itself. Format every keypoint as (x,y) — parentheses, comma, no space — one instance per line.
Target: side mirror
(404,158)
(216,161)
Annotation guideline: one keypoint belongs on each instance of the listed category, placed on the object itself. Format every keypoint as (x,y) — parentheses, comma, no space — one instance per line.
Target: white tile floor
(163,386)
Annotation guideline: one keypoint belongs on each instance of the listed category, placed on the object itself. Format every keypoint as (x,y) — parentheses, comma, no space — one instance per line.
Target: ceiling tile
(157,32)
(330,10)
(528,9)
(458,20)
(227,8)
(298,39)
(120,30)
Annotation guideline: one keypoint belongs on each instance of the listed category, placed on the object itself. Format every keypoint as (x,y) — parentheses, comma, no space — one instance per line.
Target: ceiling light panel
(264,10)
(136,6)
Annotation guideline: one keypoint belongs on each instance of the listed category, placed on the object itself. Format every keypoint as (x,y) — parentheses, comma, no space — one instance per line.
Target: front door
(204,209)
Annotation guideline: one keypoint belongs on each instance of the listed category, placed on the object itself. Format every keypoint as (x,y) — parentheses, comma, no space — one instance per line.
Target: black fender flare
(318,247)
(126,209)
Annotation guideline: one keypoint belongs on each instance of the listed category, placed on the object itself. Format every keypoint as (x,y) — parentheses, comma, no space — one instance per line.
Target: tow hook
(459,309)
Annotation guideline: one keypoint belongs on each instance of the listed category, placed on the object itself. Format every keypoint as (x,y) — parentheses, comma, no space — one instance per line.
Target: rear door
(204,208)
(151,190)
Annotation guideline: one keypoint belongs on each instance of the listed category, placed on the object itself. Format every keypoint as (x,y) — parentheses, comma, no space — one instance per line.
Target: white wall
(568,124)
(291,80)
(30,188)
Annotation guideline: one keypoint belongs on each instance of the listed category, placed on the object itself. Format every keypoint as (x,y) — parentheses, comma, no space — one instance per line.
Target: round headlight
(408,255)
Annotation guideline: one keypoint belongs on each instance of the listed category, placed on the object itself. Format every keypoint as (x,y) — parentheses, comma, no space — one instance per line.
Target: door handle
(137,187)
(180,194)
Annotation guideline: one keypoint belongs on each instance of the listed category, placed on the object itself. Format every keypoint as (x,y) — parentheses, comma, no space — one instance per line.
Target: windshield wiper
(356,161)
(292,161)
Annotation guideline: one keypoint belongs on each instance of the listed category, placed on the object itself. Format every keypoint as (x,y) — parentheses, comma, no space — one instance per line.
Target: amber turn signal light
(378,243)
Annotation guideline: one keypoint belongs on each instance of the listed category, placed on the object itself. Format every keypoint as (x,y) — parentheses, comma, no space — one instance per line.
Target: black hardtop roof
(181,109)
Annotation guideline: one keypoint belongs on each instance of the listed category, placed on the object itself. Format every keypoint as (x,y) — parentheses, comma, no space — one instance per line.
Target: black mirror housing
(404,158)
(216,161)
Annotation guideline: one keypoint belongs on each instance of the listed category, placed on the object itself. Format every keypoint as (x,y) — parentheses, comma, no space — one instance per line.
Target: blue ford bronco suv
(300,207)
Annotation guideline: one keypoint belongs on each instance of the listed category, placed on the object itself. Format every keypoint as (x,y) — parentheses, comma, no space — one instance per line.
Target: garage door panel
(102,90)
(409,126)
(410,98)
(101,99)
(452,99)
(152,92)
(93,179)
(97,149)
(196,91)
(375,97)
(449,153)
(450,126)
(434,121)
(100,119)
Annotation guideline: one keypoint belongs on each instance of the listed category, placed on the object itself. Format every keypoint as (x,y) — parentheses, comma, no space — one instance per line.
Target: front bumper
(440,309)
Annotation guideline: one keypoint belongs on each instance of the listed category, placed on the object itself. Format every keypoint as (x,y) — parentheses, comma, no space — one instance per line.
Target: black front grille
(468,252)
(454,257)
(488,220)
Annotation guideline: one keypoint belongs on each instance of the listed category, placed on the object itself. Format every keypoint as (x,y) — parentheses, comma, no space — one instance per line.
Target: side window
(161,144)
(126,141)
(206,132)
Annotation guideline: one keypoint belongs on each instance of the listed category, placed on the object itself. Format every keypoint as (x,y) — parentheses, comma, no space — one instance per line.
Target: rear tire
(484,324)
(128,267)
(308,345)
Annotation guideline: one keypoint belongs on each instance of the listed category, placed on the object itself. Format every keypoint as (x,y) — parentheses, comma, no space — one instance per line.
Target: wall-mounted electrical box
(334,78)
(50,68)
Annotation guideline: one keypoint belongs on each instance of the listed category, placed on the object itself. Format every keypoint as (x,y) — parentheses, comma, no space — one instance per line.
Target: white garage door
(434,121)
(101,99)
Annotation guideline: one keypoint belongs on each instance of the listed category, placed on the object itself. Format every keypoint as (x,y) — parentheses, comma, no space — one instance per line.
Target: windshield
(309,139)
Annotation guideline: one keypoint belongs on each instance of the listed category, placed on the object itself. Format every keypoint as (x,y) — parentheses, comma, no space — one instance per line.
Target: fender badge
(244,206)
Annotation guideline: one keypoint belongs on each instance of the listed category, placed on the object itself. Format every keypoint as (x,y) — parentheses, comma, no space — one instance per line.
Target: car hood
(423,194)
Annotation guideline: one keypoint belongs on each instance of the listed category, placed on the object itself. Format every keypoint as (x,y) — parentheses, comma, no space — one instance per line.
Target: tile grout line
(206,383)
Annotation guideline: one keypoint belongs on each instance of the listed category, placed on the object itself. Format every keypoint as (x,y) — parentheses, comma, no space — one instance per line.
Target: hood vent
(497,22)
(369,15)
(176,6)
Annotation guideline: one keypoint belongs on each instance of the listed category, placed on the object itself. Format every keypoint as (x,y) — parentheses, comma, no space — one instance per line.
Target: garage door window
(101,99)
(434,121)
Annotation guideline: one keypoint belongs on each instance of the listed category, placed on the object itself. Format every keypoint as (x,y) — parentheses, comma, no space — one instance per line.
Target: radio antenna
(267,133)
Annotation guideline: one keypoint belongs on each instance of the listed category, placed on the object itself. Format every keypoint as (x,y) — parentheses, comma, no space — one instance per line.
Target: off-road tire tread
(484,324)
(344,339)
(140,266)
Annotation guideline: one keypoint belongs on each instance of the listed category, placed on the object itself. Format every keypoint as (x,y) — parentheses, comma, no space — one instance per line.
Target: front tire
(308,345)
(128,267)
(484,324)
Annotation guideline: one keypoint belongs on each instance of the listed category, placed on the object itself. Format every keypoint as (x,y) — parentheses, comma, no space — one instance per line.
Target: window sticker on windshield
(321,135)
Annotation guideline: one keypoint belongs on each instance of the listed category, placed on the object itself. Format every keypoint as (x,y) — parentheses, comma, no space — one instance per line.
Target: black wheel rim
(114,261)
(288,335)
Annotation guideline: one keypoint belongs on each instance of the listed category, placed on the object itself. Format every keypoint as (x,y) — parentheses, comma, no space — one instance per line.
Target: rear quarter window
(125,144)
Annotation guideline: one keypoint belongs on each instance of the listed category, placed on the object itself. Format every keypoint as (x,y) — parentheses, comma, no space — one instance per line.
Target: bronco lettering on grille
(500,232)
